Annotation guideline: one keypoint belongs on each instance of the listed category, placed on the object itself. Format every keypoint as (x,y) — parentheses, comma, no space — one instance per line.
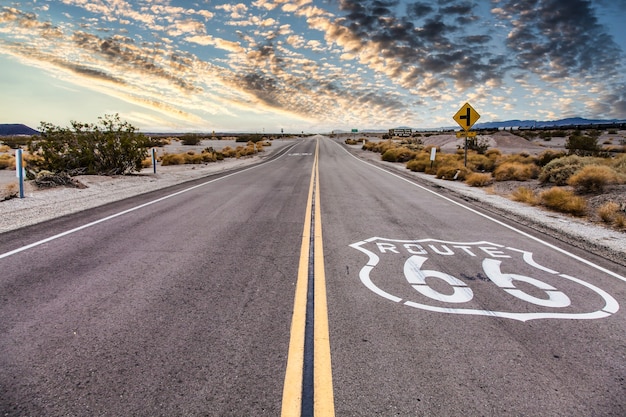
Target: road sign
(465,134)
(355,130)
(466,116)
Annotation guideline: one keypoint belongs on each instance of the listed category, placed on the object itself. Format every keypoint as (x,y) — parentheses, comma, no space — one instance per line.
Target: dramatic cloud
(332,62)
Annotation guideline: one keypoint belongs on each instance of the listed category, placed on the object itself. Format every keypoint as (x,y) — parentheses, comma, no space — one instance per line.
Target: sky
(309,65)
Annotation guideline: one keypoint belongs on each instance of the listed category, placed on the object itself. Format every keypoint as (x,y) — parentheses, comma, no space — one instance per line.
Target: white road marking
(536,239)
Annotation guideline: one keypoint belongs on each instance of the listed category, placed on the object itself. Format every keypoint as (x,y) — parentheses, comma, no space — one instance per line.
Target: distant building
(400,132)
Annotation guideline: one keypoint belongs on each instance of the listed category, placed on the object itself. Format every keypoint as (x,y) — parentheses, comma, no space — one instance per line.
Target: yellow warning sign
(466,116)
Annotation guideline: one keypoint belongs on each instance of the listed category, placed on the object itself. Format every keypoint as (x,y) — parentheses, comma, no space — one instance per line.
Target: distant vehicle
(400,132)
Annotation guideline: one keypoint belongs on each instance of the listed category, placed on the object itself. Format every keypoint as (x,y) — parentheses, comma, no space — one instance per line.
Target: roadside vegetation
(584,179)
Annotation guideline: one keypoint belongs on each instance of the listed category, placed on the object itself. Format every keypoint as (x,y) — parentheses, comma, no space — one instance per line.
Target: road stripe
(322,370)
(323,401)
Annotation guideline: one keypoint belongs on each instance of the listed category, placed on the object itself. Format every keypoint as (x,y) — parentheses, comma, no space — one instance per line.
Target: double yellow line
(323,401)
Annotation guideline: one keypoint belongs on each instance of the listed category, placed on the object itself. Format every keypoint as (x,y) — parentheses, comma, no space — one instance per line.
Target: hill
(16,129)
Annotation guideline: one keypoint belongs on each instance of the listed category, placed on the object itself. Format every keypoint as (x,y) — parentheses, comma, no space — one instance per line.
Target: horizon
(310,65)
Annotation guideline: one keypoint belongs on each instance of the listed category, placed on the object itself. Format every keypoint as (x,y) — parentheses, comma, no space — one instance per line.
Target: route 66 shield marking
(477,278)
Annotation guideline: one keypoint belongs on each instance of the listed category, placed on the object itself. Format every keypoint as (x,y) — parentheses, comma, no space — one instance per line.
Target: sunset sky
(309,65)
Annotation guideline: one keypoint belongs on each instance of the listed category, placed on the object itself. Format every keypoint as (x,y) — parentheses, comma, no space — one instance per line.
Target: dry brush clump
(564,201)
(7,161)
(477,179)
(613,214)
(516,171)
(525,195)
(9,191)
(593,178)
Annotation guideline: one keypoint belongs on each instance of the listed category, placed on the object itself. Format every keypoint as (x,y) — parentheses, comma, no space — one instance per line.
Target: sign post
(154,161)
(466,117)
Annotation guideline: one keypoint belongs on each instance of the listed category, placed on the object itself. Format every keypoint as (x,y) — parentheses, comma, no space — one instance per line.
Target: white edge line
(543,242)
(121,213)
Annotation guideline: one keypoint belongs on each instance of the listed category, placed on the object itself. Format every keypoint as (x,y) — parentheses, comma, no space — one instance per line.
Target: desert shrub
(564,201)
(4,148)
(16,142)
(249,138)
(493,153)
(109,147)
(455,171)
(476,179)
(593,178)
(9,191)
(400,154)
(351,142)
(608,211)
(154,142)
(478,162)
(172,159)
(515,171)
(7,161)
(146,163)
(191,139)
(620,221)
(421,163)
(525,195)
(559,170)
(547,156)
(578,144)
(47,179)
(619,164)
(228,152)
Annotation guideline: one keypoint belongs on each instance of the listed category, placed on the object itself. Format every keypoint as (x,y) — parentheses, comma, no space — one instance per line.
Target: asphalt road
(187,302)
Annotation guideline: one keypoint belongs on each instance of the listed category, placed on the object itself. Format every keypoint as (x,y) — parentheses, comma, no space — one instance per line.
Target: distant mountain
(16,129)
(572,121)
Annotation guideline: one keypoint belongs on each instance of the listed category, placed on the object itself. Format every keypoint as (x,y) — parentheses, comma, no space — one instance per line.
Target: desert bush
(493,153)
(608,211)
(9,191)
(478,162)
(456,171)
(110,147)
(146,162)
(559,170)
(191,139)
(4,148)
(421,163)
(515,171)
(547,156)
(578,144)
(593,178)
(172,159)
(619,165)
(47,179)
(476,179)
(16,142)
(351,142)
(564,201)
(525,195)
(7,161)
(399,154)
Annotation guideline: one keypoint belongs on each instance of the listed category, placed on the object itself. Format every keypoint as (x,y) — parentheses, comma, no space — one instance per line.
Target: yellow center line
(322,373)
(323,404)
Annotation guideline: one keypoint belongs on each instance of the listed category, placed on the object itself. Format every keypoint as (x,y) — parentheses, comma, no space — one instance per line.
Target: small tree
(577,144)
(111,147)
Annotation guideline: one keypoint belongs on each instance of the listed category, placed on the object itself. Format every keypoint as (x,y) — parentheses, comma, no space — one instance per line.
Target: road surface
(311,284)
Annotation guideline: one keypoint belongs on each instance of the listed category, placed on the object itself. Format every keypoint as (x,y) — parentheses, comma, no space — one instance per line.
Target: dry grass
(525,195)
(476,179)
(515,171)
(7,161)
(593,178)
(564,201)
(9,191)
(608,211)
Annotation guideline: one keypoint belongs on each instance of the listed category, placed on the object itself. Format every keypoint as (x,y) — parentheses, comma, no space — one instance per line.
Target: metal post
(466,148)
(20,171)
(153,160)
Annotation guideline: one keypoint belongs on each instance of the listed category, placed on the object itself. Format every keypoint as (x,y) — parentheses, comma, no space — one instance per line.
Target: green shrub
(564,201)
(558,171)
(110,147)
(593,178)
(191,139)
(546,156)
(578,144)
